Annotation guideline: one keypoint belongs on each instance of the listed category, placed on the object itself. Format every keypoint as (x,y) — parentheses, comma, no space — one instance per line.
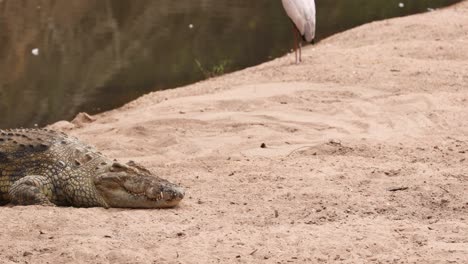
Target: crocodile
(47,167)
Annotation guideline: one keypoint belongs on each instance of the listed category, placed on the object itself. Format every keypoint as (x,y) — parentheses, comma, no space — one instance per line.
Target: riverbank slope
(364,159)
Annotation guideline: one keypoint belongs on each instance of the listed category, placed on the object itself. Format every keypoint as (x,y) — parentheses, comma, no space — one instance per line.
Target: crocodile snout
(176,193)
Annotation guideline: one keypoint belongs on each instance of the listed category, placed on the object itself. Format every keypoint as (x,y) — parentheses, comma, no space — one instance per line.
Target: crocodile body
(45,167)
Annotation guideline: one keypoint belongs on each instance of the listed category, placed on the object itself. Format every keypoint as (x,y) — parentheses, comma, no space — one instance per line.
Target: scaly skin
(44,167)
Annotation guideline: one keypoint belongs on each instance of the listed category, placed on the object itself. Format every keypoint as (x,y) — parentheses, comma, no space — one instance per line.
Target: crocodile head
(132,186)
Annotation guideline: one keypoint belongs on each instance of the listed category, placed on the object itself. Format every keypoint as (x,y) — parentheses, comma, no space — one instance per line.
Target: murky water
(58,58)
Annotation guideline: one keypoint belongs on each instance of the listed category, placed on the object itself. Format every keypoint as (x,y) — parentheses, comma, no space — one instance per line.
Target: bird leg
(300,50)
(295,40)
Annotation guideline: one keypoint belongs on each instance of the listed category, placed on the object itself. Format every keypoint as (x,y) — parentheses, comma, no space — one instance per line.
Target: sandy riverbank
(377,108)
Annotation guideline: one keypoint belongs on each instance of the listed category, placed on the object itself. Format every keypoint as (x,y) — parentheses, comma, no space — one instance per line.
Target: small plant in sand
(216,70)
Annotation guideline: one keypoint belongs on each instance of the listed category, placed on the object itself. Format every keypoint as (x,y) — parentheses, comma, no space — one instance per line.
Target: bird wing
(302,13)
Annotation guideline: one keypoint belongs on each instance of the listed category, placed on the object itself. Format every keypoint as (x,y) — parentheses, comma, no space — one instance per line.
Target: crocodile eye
(137,167)
(118,167)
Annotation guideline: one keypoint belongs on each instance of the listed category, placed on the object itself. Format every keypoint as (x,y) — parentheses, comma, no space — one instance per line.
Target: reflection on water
(61,57)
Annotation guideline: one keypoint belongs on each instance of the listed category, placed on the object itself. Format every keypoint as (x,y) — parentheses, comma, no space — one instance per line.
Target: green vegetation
(216,70)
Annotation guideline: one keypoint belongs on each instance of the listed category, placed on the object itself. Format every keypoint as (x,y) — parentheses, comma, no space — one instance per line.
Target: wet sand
(364,160)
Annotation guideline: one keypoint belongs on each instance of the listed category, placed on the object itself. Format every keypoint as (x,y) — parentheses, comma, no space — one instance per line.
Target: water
(58,58)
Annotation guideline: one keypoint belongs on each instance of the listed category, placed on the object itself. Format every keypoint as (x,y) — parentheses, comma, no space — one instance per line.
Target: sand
(364,160)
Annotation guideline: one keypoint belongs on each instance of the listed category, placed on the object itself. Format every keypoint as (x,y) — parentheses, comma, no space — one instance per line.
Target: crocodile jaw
(137,191)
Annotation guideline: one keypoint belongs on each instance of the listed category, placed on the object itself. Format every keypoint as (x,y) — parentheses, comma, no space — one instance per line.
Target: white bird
(302,14)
